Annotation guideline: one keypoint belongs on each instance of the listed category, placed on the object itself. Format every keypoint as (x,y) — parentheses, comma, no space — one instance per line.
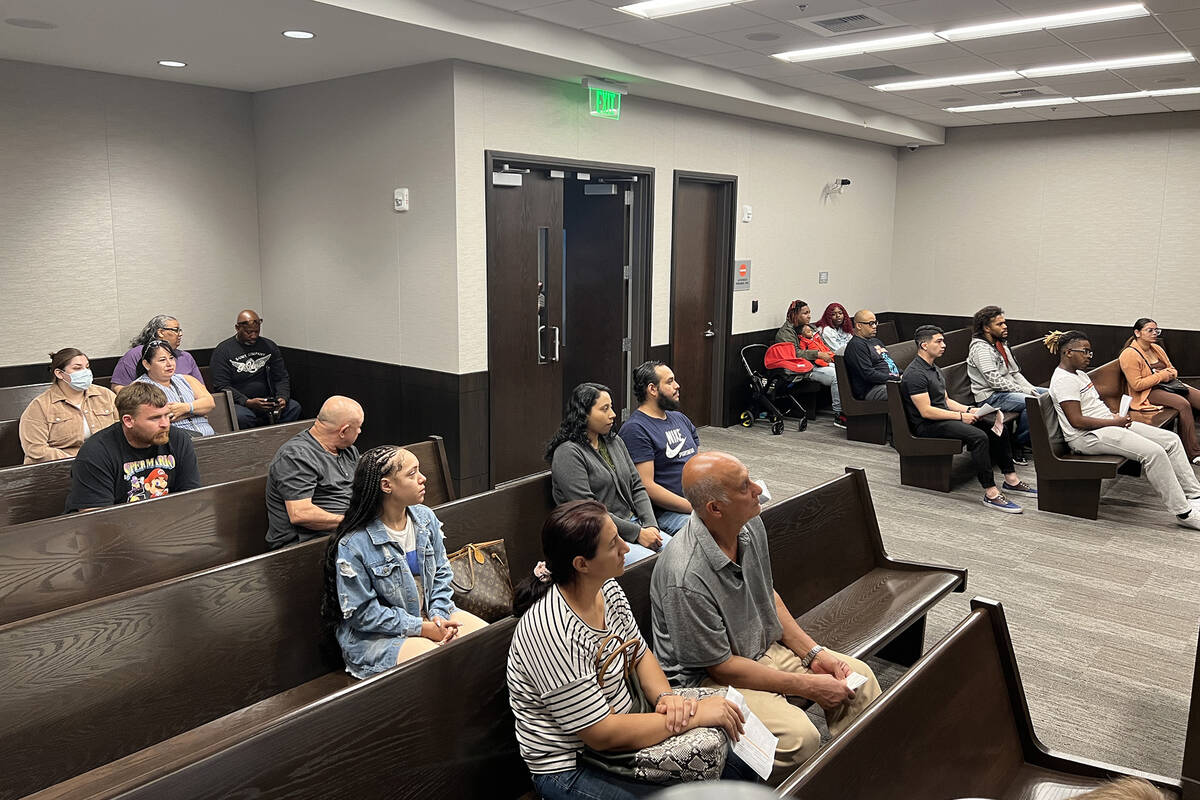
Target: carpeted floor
(1103,614)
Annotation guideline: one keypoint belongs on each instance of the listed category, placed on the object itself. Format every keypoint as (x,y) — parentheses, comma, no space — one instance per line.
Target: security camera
(912,148)
(841,181)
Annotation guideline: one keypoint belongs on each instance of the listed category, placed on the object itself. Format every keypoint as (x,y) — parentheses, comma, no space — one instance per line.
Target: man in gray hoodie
(996,378)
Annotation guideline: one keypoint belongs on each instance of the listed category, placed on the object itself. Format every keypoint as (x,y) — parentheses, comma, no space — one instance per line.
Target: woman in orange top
(1145,366)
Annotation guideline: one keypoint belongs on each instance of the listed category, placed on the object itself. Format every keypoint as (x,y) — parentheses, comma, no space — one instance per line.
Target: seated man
(995,377)
(309,480)
(799,315)
(251,367)
(141,458)
(931,413)
(162,327)
(868,365)
(717,620)
(660,440)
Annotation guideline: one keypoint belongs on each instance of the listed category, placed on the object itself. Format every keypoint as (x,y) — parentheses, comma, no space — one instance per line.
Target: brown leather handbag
(481,582)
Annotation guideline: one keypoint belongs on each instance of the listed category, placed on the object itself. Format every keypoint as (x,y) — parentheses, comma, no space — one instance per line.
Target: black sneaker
(1021,459)
(840,421)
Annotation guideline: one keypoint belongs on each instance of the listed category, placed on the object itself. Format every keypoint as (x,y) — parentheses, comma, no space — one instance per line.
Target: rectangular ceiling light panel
(1045,101)
(858,48)
(1027,24)
(1112,63)
(956,80)
(653,9)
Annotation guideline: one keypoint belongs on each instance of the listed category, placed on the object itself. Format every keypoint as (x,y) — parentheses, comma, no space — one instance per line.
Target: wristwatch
(810,656)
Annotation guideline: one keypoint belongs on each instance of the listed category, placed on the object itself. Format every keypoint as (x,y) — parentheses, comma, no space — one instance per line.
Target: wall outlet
(747,213)
(400,200)
(822,277)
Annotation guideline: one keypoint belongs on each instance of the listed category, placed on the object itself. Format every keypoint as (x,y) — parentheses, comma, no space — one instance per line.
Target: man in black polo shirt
(931,413)
(868,365)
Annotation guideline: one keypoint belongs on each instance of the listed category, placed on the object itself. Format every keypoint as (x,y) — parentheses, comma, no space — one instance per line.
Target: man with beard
(995,377)
(114,465)
(660,439)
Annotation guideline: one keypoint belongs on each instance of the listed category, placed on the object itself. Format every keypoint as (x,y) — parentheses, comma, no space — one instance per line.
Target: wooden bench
(38,491)
(346,744)
(50,564)
(514,512)
(223,417)
(866,420)
(887,333)
(926,462)
(15,399)
(1069,482)
(956,725)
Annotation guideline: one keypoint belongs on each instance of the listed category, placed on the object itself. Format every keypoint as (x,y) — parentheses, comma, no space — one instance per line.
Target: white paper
(984,410)
(757,745)
(855,680)
(1126,401)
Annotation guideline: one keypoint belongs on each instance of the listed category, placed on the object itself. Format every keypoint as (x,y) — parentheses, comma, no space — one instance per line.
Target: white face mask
(80,379)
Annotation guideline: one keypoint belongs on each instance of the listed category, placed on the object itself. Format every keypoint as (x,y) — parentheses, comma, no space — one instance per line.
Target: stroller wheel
(803,424)
(747,419)
(777,427)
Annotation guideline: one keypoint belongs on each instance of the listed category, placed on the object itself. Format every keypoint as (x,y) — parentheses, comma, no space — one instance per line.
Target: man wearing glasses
(251,367)
(868,365)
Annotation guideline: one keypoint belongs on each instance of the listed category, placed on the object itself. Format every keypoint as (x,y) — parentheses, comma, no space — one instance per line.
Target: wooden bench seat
(38,491)
(49,564)
(447,711)
(956,725)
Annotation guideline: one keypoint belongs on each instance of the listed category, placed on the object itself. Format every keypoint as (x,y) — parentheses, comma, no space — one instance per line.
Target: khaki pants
(799,740)
(416,645)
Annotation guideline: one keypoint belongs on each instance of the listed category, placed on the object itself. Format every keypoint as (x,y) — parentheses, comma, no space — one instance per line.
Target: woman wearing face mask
(72,409)
(187,398)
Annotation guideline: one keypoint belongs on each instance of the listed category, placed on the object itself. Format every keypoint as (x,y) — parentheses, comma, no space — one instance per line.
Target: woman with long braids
(387,580)
(574,615)
(590,462)
(1090,427)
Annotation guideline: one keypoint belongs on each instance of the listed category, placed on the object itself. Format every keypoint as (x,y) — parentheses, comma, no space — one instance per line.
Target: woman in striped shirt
(568,607)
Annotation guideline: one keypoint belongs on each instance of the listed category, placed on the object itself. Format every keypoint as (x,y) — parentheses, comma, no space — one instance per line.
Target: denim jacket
(378,596)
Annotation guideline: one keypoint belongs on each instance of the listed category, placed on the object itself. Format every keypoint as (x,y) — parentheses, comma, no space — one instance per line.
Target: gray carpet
(1103,614)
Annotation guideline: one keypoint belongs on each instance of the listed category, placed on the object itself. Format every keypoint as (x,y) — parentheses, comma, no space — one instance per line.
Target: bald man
(718,621)
(867,363)
(309,480)
(251,367)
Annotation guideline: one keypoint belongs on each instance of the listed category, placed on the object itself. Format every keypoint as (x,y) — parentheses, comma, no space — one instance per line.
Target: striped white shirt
(552,683)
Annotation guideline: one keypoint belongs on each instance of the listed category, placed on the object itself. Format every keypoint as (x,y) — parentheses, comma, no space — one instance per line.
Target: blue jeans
(1015,401)
(589,783)
(252,419)
(671,521)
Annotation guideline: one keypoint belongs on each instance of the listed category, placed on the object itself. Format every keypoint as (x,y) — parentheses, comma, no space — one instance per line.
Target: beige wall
(1090,220)
(121,198)
(781,172)
(342,271)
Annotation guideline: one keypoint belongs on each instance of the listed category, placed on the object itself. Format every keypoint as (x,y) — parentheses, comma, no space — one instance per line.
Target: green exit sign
(604,104)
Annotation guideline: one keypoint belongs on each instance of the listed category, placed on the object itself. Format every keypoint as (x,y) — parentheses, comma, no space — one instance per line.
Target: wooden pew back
(955,725)
(97,681)
(516,512)
(1036,362)
(887,333)
(223,417)
(11,453)
(15,399)
(38,491)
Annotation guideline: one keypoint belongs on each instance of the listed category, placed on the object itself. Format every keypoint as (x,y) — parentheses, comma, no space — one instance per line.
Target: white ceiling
(732,38)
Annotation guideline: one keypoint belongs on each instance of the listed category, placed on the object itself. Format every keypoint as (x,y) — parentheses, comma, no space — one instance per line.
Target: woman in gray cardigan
(589,462)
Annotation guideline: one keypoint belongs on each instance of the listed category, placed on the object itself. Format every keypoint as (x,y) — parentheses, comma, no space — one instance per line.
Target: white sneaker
(1196,460)
(1192,520)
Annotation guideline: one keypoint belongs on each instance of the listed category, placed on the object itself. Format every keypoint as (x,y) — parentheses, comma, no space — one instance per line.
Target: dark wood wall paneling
(21,374)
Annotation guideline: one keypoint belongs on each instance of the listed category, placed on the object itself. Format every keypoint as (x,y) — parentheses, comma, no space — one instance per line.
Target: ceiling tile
(831,65)
(1117,108)
(1141,26)
(738,59)
(1068,111)
(1111,84)
(1167,6)
(957,12)
(1184,102)
(1190,38)
(775,71)
(1004,116)
(915,55)
(1004,44)
(1130,46)
(517,5)
(715,20)
(819,83)
(1152,77)
(1181,21)
(785,10)
(637,31)
(961,65)
(790,38)
(1062,54)
(689,46)
(578,14)
(1034,8)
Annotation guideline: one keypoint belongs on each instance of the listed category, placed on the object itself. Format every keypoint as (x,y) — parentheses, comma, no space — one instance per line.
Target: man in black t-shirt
(867,363)
(251,367)
(140,459)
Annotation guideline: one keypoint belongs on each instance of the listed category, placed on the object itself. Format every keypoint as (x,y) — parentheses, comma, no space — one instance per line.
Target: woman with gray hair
(160,326)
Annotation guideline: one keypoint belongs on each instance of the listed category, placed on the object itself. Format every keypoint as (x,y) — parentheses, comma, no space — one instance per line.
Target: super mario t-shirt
(108,471)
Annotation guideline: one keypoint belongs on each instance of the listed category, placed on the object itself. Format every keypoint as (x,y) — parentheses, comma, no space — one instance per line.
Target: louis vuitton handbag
(695,755)
(481,582)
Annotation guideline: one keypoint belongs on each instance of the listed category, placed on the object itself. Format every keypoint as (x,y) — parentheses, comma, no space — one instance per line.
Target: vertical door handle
(556,341)
(710,333)
(541,356)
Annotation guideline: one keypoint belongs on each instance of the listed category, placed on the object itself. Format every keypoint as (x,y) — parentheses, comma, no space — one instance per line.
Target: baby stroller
(770,390)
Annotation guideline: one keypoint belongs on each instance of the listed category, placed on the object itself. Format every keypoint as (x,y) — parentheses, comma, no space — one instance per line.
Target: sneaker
(1002,503)
(1020,459)
(840,422)
(1196,460)
(1020,486)
(1190,520)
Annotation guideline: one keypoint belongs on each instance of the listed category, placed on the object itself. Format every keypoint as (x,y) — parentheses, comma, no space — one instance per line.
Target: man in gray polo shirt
(717,620)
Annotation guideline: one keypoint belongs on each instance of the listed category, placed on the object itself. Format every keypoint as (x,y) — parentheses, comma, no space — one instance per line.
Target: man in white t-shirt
(1089,427)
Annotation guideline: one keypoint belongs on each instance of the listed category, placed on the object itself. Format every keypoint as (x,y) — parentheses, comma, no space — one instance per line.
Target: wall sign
(741,275)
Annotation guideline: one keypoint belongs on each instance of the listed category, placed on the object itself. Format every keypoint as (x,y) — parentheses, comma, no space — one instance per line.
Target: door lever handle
(710,333)
(541,359)
(556,342)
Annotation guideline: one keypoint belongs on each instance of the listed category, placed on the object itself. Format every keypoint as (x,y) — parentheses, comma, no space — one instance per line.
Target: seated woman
(835,328)
(187,398)
(387,579)
(799,315)
(574,615)
(590,462)
(1147,369)
(58,420)
(1088,427)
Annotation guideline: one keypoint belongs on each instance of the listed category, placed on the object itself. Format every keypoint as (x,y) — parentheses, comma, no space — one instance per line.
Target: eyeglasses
(1085,352)
(1153,331)
(172,330)
(872,323)
(252,323)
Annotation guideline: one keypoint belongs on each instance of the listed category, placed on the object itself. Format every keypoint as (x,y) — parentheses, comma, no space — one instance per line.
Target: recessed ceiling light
(1100,98)
(299,34)
(174,64)
(1043,101)
(858,48)
(954,80)
(653,9)
(32,24)
(1112,63)
(1027,24)
(762,37)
